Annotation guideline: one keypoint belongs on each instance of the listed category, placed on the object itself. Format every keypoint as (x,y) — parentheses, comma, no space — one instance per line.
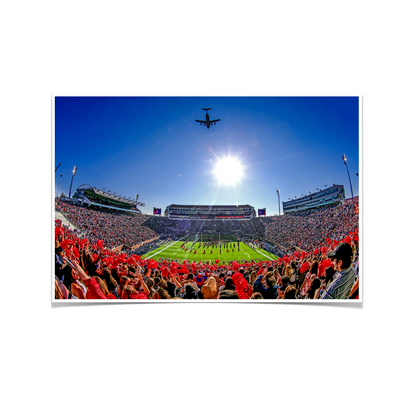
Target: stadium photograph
(206,199)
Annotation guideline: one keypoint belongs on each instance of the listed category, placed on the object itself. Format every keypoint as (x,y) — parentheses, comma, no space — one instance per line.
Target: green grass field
(207,249)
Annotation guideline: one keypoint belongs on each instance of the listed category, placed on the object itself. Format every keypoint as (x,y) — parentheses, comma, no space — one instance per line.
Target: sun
(228,171)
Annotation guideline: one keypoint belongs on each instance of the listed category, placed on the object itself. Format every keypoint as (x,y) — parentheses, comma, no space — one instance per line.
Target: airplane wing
(204,122)
(215,120)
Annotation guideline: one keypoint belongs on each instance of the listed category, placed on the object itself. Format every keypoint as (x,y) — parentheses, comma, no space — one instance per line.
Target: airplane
(207,122)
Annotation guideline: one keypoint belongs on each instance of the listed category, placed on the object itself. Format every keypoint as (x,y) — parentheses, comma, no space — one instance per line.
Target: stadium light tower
(351,187)
(73,174)
(278,192)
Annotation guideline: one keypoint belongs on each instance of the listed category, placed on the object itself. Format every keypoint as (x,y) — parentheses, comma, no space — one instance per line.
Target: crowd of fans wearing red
(87,269)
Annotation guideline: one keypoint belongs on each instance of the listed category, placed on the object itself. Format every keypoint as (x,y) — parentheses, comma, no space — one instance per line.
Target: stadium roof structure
(332,195)
(92,195)
(108,194)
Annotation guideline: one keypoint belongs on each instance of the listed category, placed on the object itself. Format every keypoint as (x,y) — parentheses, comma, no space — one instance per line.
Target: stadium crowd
(114,228)
(86,268)
(308,230)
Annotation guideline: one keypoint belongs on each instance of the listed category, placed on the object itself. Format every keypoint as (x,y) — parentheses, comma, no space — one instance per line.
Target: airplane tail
(206,109)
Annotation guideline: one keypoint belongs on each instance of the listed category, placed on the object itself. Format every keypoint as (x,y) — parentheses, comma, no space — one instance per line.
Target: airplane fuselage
(207,122)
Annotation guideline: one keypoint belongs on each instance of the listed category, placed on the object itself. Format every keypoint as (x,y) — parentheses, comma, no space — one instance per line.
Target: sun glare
(228,171)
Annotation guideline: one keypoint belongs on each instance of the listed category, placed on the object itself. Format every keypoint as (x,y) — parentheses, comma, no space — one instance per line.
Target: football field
(193,248)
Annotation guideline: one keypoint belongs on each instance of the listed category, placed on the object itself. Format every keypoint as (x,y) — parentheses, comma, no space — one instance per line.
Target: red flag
(108,261)
(285,259)
(58,232)
(347,240)
(75,251)
(304,267)
(183,270)
(164,271)
(323,265)
(66,243)
(193,266)
(95,258)
(173,268)
(130,261)
(152,264)
(83,242)
(242,288)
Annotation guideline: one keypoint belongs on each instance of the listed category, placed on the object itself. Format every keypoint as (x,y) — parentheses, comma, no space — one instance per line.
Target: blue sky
(153,147)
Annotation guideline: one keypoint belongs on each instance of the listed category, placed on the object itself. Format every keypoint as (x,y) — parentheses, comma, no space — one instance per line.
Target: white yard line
(269,258)
(165,248)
